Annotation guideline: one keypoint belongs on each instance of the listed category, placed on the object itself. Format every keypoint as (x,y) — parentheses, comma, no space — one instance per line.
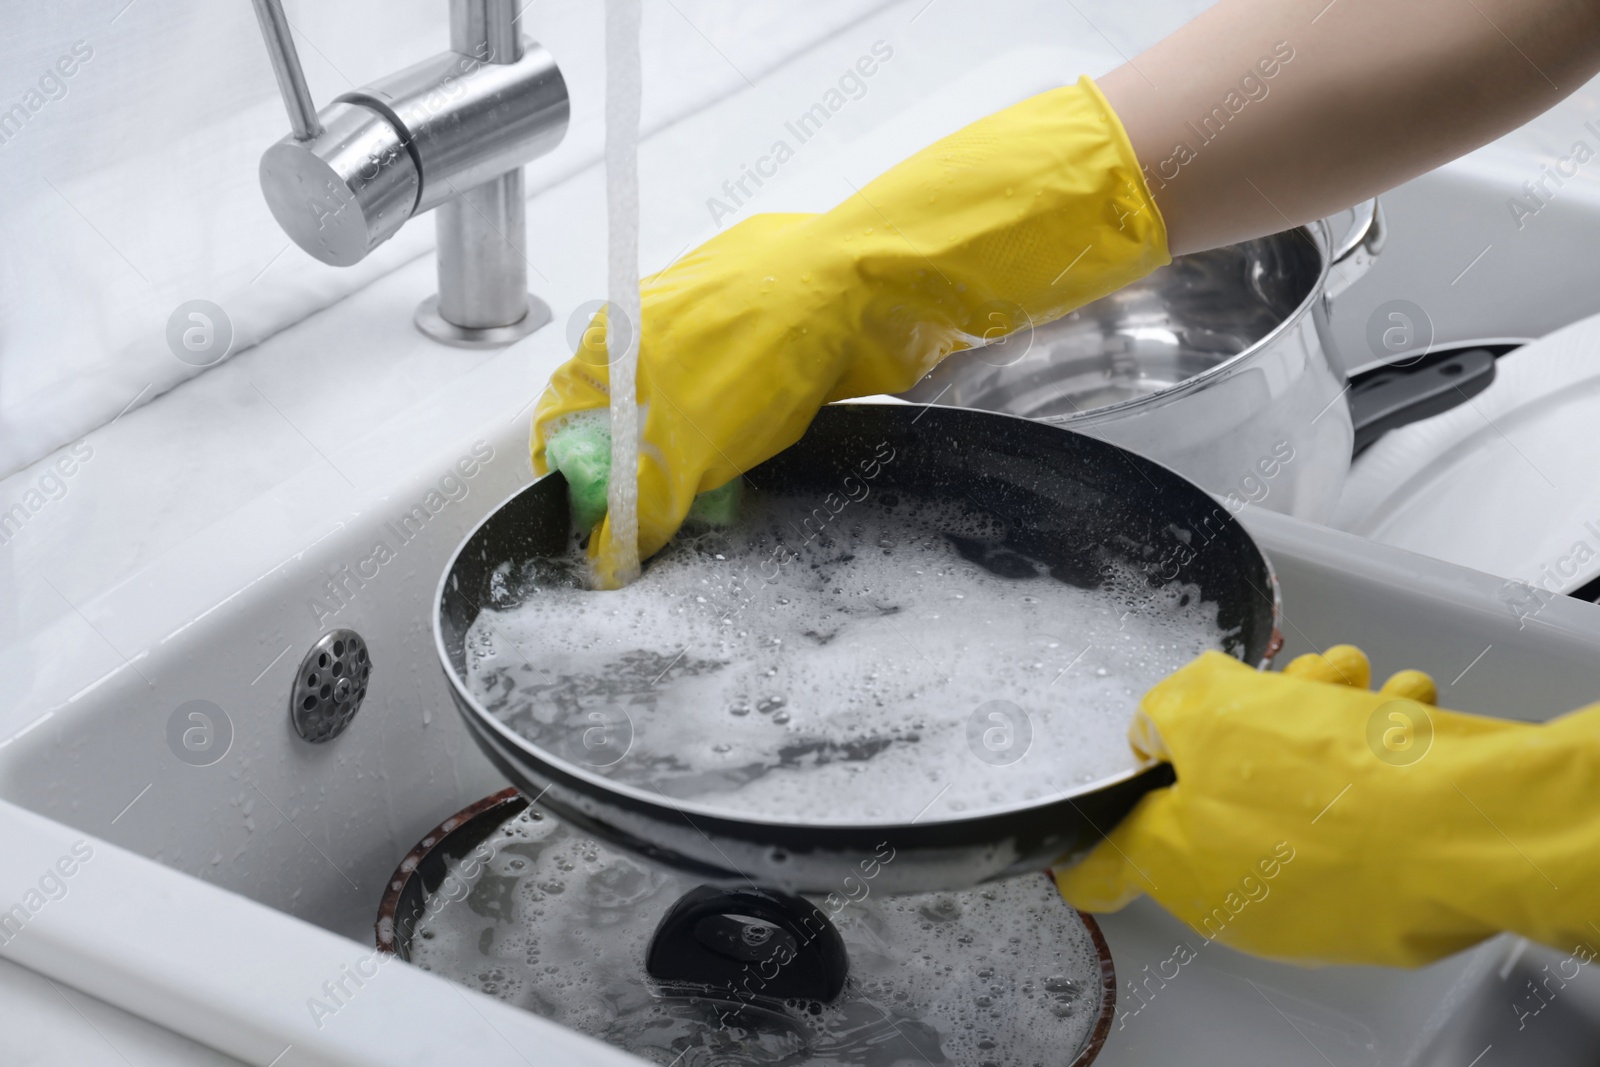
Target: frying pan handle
(1099,812)
(1390,397)
(749,943)
(1156,776)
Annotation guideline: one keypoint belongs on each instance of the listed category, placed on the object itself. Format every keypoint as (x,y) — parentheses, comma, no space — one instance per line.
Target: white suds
(898,660)
(1005,975)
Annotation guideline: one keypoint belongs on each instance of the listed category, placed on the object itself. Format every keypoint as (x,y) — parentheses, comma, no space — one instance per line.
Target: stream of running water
(620,557)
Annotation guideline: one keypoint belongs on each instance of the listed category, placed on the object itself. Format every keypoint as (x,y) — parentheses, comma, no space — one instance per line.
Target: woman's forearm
(1263,114)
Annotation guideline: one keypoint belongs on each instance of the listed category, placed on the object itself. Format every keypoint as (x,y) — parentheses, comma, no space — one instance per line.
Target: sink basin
(251,870)
(1532,1005)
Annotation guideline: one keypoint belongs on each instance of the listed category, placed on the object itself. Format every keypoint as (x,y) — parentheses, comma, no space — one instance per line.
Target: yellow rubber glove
(1020,217)
(1322,823)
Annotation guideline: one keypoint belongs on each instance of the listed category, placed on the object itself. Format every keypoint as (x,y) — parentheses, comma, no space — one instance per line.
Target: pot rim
(1096,1041)
(386,931)
(1322,241)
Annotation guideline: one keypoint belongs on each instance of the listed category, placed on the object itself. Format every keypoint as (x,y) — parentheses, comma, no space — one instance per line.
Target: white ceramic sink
(277,827)
(215,534)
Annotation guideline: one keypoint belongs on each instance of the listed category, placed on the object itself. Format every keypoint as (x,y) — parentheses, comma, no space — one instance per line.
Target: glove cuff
(1010,222)
(1152,228)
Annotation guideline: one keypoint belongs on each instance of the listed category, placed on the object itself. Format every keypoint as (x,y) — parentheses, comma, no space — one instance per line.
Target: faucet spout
(276,30)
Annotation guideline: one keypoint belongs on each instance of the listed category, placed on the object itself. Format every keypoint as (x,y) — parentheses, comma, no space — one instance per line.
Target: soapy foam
(559,925)
(896,661)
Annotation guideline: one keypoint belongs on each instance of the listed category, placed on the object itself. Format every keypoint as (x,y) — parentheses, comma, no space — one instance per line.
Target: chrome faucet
(451,132)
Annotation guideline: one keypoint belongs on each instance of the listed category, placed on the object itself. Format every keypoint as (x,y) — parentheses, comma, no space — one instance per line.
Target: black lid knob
(749,943)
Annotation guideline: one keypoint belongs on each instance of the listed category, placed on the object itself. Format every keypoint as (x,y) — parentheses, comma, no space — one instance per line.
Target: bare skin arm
(1362,95)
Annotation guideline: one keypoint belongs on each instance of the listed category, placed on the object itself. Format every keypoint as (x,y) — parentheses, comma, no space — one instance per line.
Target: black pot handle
(1387,398)
(749,943)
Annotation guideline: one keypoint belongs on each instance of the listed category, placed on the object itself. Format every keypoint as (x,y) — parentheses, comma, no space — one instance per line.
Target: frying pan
(1067,498)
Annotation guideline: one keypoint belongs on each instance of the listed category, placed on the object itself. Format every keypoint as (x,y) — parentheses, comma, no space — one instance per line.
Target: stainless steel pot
(1219,365)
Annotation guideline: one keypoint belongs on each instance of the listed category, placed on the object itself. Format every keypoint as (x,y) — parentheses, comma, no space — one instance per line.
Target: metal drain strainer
(330,686)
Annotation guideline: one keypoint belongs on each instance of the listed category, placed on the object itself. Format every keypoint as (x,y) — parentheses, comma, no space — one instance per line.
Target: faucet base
(430,322)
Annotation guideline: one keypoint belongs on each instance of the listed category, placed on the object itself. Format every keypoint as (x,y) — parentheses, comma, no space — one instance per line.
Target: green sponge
(719,506)
(581,451)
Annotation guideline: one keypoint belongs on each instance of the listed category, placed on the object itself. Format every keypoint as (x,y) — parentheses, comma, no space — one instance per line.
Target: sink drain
(330,686)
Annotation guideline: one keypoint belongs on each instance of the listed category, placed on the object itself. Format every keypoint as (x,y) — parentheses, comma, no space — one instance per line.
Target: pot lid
(532,911)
